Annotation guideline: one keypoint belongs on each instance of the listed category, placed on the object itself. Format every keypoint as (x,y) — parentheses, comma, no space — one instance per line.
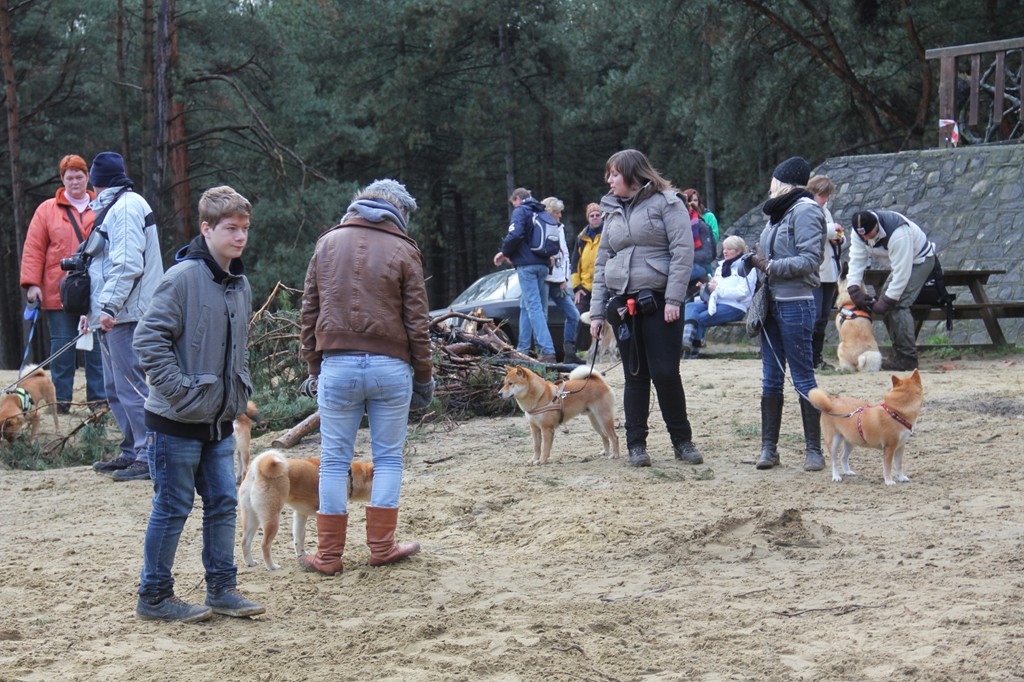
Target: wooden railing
(993,82)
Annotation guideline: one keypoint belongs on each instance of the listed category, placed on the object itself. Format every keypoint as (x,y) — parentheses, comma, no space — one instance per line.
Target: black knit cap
(108,170)
(864,221)
(793,171)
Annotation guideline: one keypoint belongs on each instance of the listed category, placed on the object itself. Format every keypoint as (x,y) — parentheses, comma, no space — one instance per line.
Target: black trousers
(650,350)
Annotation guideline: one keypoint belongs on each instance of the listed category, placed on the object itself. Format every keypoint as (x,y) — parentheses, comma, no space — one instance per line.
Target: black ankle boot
(771,423)
(638,456)
(814,460)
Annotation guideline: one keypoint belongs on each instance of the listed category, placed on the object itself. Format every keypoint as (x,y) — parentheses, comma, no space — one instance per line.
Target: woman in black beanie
(789,254)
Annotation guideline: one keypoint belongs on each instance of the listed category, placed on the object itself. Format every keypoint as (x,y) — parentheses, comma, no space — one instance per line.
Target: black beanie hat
(108,170)
(864,221)
(793,171)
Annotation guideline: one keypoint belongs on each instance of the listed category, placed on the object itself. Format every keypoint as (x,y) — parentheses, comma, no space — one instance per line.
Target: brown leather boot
(330,544)
(380,537)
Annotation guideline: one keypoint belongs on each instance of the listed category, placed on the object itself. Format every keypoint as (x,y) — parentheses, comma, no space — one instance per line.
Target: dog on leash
(606,348)
(886,426)
(857,350)
(243,440)
(22,404)
(547,405)
(274,481)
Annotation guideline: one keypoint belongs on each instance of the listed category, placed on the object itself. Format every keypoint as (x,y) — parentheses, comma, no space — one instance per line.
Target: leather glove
(883,305)
(758,262)
(309,387)
(422,394)
(859,297)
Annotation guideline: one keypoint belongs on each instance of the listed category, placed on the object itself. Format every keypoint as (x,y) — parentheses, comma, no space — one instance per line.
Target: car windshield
(497,286)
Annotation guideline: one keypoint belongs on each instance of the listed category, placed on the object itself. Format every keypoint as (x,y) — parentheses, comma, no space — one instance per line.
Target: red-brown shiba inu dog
(857,349)
(18,407)
(885,426)
(275,480)
(547,405)
(243,440)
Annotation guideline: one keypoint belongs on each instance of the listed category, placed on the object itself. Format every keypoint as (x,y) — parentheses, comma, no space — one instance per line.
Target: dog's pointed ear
(896,381)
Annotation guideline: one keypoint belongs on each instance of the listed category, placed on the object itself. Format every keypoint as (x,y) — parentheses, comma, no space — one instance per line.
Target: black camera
(646,302)
(72,264)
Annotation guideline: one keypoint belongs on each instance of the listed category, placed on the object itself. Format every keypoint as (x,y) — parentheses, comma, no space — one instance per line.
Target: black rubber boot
(569,356)
(814,460)
(771,423)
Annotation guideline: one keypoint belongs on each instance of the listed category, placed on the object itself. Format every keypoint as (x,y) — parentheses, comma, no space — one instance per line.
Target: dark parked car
(498,295)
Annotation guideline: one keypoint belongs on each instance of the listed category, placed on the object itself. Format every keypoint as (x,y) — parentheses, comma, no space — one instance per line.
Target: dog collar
(897,416)
(849,312)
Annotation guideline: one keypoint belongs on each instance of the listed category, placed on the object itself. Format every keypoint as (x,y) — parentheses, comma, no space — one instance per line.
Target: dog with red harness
(858,349)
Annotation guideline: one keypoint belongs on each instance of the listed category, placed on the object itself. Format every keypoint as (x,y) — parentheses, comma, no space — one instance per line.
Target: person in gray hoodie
(123,276)
(789,255)
(192,343)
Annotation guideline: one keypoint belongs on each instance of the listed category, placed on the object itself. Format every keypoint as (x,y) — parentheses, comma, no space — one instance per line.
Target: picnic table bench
(980,308)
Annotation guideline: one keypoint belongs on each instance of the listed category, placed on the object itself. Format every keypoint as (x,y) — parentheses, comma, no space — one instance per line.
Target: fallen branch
(839,610)
(295,434)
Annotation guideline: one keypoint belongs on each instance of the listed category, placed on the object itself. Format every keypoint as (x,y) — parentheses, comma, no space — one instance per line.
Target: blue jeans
(380,386)
(181,467)
(127,389)
(787,338)
(564,300)
(532,313)
(697,311)
(63,328)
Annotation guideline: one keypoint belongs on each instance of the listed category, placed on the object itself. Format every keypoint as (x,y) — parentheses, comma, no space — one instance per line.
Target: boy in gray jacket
(192,344)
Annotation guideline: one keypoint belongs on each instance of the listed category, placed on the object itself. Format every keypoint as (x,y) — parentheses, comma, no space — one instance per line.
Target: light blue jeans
(564,300)
(181,467)
(127,389)
(350,385)
(533,321)
(697,311)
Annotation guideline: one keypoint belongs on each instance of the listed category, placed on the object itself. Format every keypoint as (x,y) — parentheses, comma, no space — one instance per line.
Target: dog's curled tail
(820,399)
(271,464)
(869,361)
(584,371)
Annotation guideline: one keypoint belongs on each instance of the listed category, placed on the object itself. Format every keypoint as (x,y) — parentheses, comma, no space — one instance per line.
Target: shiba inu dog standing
(274,480)
(547,405)
(886,426)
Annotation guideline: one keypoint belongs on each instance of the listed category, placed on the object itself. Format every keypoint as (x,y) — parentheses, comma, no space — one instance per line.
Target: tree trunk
(177,151)
(12,233)
(122,77)
(709,181)
(506,92)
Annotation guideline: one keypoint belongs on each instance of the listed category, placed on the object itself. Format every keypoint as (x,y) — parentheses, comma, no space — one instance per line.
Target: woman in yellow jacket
(59,225)
(583,256)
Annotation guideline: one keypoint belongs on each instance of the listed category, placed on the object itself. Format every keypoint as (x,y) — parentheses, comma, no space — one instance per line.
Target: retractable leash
(46,362)
(31,313)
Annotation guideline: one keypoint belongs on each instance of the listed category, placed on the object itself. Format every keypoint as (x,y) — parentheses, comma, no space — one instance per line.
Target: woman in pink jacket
(57,228)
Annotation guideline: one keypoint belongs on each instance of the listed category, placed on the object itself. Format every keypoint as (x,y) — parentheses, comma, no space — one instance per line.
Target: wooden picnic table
(981,307)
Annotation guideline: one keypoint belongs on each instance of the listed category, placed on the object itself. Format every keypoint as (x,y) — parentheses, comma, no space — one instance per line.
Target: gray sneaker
(172,609)
(687,452)
(230,602)
(638,456)
(110,466)
(138,471)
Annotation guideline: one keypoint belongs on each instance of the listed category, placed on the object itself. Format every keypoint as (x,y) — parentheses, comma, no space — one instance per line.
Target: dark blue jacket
(515,246)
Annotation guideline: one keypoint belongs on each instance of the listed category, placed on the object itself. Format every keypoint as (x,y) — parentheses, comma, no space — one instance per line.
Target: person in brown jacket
(364,339)
(58,226)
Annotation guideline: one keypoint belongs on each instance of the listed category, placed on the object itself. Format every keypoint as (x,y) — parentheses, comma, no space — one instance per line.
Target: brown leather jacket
(364,291)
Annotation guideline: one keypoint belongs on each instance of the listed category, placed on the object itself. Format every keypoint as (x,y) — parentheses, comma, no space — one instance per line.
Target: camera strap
(74,224)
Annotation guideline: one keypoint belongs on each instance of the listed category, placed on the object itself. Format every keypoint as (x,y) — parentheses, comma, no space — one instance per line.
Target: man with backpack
(890,236)
(531,267)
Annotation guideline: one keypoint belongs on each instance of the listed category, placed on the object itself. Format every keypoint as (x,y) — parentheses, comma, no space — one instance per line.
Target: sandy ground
(584,569)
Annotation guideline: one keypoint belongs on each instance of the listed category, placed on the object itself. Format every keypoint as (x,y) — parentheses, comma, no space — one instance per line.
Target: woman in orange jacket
(57,228)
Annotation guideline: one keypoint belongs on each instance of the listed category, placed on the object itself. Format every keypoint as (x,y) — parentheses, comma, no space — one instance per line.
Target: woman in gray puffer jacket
(789,254)
(640,276)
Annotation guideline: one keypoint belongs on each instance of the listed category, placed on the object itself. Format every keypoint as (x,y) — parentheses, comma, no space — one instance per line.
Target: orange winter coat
(50,237)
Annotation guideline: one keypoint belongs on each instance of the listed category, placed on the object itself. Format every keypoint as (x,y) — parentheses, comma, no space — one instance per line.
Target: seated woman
(724,299)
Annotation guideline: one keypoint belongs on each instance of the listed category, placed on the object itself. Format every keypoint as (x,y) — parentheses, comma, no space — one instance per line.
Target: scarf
(776,208)
(377,211)
(727,265)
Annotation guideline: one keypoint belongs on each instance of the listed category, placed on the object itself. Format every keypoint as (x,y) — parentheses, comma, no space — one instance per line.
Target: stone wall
(970,202)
